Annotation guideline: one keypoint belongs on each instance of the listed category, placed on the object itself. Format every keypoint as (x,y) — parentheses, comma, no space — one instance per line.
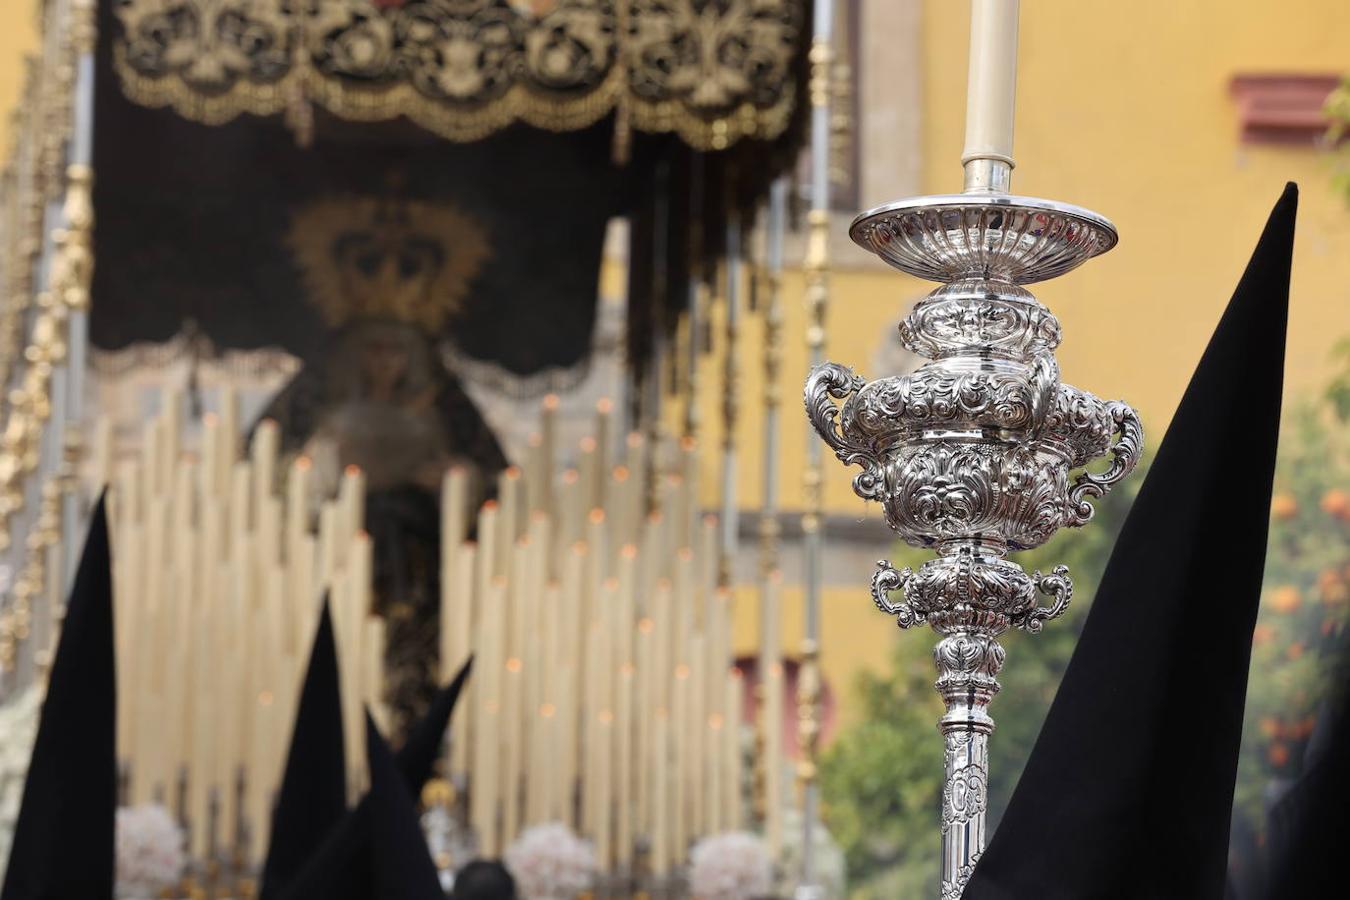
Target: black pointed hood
(400,858)
(1128,792)
(313,795)
(343,866)
(63,840)
(417,757)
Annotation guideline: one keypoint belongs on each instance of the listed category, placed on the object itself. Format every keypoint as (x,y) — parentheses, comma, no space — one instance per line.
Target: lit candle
(509,516)
(604,408)
(103,452)
(570,507)
(266,437)
(588,467)
(711,786)
(229,429)
(548,446)
(351,505)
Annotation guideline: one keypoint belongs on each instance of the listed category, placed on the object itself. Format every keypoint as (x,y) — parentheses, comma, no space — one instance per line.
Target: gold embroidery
(364,257)
(713,71)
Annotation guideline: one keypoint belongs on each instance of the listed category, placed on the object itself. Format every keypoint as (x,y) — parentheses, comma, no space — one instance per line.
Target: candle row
(604,693)
(219,574)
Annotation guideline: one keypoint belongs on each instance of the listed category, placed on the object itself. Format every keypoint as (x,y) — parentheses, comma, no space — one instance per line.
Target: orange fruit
(1336,503)
(1285,599)
(1283,507)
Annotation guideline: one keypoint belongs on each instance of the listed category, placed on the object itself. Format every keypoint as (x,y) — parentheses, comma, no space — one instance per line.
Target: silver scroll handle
(829,382)
(1125,454)
(887,578)
(1059,586)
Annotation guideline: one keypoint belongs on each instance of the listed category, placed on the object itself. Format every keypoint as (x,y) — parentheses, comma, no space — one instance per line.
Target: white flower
(150,854)
(549,862)
(730,866)
(830,869)
(18,730)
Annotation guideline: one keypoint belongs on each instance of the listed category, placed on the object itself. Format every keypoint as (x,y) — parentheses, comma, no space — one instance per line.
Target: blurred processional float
(981,451)
(336,333)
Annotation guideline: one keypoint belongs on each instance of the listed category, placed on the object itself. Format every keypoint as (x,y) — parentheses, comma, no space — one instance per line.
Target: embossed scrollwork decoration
(984,452)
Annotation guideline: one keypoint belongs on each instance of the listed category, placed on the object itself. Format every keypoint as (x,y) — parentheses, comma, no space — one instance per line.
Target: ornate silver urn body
(980,452)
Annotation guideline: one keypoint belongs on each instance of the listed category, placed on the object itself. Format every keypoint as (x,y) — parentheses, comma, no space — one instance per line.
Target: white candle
(229,428)
(623,724)
(104,453)
(645,706)
(266,437)
(509,518)
(991,89)
(731,753)
(604,830)
(454,512)
(679,773)
(589,482)
(513,713)
(351,504)
(457,633)
(711,786)
(486,785)
(569,507)
(696,759)
(604,407)
(659,775)
(548,446)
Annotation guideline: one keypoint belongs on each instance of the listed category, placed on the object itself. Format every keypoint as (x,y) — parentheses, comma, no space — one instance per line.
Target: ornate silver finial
(981,451)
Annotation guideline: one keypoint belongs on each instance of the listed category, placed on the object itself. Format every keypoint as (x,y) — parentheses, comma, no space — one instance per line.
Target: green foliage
(882,778)
(1305,601)
(1337,109)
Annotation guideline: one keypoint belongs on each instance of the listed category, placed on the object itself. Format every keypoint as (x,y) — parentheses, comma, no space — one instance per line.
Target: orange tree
(1305,602)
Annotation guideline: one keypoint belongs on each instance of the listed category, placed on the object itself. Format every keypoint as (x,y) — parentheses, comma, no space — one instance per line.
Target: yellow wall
(18,37)
(1122,108)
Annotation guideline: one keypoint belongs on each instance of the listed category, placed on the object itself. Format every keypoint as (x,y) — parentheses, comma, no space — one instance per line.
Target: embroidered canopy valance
(712,71)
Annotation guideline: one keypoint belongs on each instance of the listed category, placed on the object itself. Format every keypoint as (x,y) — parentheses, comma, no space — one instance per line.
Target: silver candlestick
(982,450)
